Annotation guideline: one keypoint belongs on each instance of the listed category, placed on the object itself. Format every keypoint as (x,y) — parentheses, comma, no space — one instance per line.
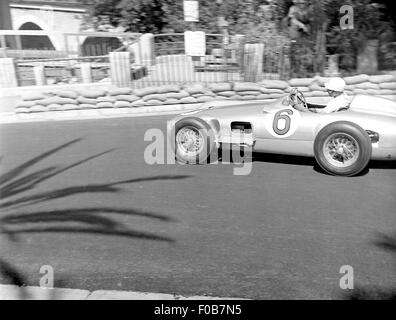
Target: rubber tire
(209,142)
(358,134)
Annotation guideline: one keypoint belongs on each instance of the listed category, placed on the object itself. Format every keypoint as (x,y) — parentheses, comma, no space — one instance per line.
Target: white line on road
(13,292)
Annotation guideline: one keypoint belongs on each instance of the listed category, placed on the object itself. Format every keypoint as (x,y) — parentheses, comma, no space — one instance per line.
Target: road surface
(83,200)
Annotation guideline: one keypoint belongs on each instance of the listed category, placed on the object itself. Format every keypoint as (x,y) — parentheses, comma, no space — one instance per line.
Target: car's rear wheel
(194,141)
(342,148)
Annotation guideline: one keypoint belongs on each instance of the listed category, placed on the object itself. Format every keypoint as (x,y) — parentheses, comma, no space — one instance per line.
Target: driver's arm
(300,107)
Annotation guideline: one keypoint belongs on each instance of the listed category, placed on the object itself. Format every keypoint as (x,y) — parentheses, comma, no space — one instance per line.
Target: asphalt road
(112,221)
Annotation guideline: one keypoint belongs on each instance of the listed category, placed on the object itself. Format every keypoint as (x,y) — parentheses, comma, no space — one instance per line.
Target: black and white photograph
(197,154)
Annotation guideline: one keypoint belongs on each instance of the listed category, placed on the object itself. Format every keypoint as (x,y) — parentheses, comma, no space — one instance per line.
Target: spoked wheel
(194,141)
(342,148)
(189,141)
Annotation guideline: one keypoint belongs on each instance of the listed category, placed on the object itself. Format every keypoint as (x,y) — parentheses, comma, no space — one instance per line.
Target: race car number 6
(278,116)
(282,123)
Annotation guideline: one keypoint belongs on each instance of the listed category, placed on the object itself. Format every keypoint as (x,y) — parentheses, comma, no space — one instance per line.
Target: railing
(221,62)
(72,44)
(63,70)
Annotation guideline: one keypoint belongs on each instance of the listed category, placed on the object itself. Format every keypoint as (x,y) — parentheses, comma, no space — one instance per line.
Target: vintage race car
(342,142)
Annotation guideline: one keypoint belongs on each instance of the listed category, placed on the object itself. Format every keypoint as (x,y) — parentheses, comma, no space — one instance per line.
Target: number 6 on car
(282,123)
(342,142)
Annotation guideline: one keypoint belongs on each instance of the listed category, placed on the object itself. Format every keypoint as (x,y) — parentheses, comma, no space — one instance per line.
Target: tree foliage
(257,19)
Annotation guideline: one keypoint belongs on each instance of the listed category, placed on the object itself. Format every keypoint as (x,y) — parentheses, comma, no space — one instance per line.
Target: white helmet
(335,84)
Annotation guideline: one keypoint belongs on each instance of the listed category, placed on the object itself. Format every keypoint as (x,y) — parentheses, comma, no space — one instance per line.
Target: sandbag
(236,97)
(122,104)
(188,100)
(160,97)
(247,86)
(33,96)
(196,88)
(320,80)
(382,78)
(386,92)
(225,86)
(70,107)
(248,97)
(177,95)
(67,94)
(145,91)
(22,110)
(25,104)
(225,93)
(300,82)
(107,99)
(154,102)
(262,96)
(374,92)
(38,108)
(169,88)
(274,84)
(207,93)
(268,91)
(171,101)
(119,91)
(316,86)
(138,103)
(204,98)
(357,79)
(275,95)
(83,100)
(303,89)
(56,100)
(128,98)
(249,93)
(104,105)
(359,91)
(87,106)
(388,85)
(93,94)
(217,98)
(366,85)
(54,107)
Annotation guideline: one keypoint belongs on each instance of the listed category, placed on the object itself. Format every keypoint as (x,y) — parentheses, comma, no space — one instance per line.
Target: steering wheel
(296,96)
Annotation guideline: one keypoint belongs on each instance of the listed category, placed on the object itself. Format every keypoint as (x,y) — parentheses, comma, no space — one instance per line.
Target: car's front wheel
(194,141)
(342,148)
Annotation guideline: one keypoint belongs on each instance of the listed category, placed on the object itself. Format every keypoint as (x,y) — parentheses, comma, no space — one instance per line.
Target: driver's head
(335,86)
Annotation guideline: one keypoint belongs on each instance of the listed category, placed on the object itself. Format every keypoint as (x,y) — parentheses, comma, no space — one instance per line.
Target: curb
(91,114)
(13,292)
(12,117)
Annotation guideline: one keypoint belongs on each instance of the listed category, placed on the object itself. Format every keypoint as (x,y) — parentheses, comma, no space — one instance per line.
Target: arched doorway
(98,46)
(35,42)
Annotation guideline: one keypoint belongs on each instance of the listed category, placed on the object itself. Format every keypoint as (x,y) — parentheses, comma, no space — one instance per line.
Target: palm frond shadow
(18,190)
(387,243)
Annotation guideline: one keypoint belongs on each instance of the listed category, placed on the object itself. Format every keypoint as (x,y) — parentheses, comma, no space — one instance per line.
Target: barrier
(196,93)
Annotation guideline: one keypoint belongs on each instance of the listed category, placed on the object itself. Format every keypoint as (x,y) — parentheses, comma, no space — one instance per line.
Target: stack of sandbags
(302,84)
(29,103)
(119,98)
(40,102)
(272,89)
(200,92)
(247,90)
(221,91)
(378,85)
